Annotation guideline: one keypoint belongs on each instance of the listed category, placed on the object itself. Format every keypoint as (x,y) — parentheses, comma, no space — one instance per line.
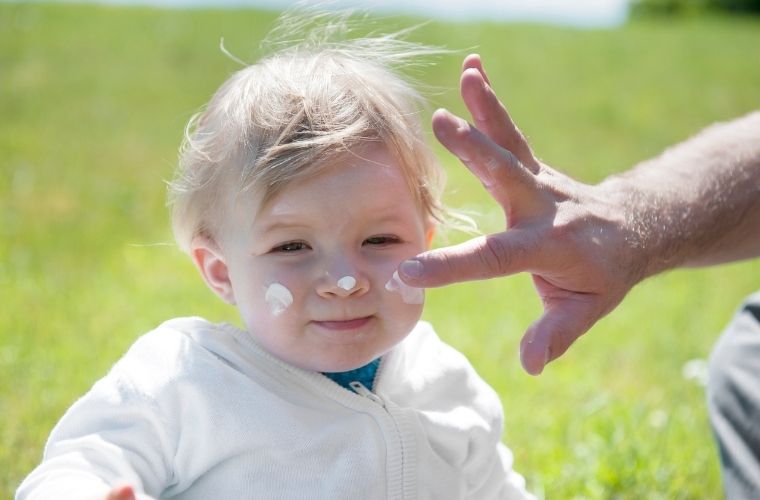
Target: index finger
(491,256)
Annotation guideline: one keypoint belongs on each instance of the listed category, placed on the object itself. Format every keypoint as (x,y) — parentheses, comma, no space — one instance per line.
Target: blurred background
(94,98)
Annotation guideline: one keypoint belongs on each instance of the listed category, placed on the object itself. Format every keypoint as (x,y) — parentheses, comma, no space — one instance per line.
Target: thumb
(556,330)
(484,257)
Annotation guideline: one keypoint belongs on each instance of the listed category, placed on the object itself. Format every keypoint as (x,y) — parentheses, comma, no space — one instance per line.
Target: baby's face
(309,269)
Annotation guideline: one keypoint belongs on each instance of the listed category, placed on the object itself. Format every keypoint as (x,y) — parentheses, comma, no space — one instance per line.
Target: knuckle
(492,163)
(445,265)
(495,258)
(510,158)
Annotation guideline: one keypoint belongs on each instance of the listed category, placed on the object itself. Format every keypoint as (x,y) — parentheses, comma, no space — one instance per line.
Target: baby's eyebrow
(281,224)
(296,221)
(390,218)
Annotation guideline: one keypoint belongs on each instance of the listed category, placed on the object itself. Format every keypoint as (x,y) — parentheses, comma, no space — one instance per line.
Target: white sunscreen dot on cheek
(347,283)
(409,294)
(278,297)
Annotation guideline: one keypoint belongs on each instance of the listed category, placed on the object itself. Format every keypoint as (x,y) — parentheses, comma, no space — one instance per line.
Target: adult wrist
(648,244)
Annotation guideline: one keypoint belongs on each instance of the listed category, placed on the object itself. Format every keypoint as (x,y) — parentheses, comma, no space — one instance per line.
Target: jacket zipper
(362,391)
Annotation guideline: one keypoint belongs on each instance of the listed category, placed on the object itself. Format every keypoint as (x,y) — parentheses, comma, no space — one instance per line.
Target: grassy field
(93,101)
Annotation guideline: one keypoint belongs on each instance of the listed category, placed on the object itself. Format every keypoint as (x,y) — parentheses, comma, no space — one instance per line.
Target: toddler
(301,187)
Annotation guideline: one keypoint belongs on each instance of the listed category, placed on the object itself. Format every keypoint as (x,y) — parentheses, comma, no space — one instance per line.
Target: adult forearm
(698,203)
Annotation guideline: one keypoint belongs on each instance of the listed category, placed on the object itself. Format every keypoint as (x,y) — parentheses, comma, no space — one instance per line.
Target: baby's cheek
(401,318)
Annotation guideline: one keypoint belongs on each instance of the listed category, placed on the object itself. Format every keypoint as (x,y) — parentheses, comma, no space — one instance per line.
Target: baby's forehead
(371,186)
(360,167)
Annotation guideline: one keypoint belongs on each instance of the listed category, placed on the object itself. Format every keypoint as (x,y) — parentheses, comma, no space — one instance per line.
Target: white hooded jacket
(196,410)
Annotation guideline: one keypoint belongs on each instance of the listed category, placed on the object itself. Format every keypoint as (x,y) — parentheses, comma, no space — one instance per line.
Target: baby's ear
(209,259)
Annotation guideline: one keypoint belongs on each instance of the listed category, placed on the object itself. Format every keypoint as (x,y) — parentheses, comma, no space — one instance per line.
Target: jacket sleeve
(494,477)
(113,435)
(489,463)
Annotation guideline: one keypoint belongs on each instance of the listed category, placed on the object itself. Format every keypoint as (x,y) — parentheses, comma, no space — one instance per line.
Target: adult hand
(570,236)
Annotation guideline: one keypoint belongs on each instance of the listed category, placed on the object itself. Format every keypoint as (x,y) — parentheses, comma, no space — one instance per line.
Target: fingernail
(539,368)
(547,355)
(530,368)
(462,124)
(412,268)
(458,122)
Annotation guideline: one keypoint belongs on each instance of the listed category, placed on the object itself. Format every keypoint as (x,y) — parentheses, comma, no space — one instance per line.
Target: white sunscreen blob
(347,283)
(278,297)
(409,294)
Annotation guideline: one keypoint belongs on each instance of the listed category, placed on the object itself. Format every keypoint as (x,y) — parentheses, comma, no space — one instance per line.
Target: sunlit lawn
(93,101)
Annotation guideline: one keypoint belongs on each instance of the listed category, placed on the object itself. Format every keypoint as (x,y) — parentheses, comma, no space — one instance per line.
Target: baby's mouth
(344,325)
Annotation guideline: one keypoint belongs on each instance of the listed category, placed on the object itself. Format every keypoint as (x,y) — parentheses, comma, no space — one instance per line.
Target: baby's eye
(291,246)
(382,240)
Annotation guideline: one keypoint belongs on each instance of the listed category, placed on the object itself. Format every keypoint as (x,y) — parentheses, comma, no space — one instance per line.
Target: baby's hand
(124,492)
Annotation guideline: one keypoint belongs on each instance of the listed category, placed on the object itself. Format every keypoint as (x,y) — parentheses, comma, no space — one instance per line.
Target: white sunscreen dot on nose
(409,294)
(278,297)
(347,283)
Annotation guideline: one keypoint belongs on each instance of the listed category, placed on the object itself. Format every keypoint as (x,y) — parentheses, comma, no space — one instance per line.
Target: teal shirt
(365,375)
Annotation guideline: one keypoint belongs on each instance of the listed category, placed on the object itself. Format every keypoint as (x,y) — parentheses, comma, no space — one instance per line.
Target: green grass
(93,101)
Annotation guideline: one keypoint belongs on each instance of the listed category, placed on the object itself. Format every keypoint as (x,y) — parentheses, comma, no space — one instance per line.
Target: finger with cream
(409,294)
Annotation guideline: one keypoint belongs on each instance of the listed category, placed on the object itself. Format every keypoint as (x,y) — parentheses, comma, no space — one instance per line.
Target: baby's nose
(344,284)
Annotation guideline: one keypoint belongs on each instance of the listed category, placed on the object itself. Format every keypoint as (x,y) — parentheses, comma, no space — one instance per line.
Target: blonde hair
(294,112)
